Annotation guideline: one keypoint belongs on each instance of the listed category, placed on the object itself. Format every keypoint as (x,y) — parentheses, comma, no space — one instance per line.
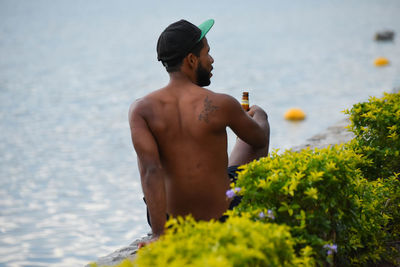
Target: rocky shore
(335,134)
(119,255)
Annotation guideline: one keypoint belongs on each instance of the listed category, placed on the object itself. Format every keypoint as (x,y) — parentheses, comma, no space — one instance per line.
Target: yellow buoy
(381,61)
(295,114)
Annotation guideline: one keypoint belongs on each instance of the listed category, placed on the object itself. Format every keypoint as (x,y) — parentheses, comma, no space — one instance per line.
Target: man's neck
(181,77)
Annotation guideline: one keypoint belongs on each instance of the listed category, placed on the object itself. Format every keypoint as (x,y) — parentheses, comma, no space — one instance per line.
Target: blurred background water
(70,190)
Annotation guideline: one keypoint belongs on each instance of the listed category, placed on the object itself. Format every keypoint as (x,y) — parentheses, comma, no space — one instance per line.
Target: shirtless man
(179,133)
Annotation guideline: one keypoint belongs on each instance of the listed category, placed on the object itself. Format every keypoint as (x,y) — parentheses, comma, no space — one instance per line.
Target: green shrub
(390,203)
(311,191)
(376,125)
(237,242)
(377,237)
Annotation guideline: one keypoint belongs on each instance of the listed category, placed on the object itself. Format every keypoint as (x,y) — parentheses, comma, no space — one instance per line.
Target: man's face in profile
(204,66)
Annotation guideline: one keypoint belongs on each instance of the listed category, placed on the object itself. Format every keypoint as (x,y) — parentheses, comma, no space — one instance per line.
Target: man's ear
(192,60)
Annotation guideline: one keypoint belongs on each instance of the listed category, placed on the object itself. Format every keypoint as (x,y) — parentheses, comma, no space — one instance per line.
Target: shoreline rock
(128,252)
(336,134)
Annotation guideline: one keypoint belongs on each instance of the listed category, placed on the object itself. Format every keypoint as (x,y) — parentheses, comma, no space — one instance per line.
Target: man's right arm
(252,127)
(151,171)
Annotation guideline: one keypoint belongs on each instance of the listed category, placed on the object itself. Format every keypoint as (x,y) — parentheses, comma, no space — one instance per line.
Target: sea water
(70,189)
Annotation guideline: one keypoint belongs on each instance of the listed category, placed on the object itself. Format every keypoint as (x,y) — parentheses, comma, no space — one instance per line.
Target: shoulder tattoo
(207,110)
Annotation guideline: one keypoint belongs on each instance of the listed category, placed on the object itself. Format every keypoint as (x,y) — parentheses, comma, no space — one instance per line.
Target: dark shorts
(232,173)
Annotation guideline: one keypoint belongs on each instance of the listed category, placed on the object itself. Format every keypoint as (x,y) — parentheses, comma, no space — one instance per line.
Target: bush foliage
(377,235)
(376,125)
(307,190)
(237,242)
(325,200)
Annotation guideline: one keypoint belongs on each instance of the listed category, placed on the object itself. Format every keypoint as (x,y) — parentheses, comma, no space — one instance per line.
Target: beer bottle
(245,101)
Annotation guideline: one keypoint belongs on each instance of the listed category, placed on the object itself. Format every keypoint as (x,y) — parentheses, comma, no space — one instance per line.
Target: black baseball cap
(176,41)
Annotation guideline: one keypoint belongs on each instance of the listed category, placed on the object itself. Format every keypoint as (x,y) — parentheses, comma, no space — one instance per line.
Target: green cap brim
(205,27)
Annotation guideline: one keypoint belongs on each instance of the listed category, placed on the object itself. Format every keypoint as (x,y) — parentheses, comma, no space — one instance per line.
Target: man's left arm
(151,171)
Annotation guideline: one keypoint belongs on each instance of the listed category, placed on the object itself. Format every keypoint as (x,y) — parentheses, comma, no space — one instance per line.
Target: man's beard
(203,76)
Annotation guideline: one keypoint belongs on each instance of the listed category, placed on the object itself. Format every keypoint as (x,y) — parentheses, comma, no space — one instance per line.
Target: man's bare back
(179,134)
(192,144)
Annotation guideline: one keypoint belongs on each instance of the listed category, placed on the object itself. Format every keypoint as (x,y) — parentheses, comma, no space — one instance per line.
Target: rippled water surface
(70,190)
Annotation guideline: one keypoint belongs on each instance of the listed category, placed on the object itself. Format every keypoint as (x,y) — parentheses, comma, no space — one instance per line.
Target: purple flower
(237,189)
(271,214)
(330,248)
(230,193)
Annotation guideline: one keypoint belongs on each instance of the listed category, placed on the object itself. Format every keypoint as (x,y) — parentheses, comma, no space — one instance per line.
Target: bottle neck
(245,101)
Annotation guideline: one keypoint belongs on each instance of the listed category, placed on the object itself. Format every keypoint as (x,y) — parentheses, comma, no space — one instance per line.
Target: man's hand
(253,109)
